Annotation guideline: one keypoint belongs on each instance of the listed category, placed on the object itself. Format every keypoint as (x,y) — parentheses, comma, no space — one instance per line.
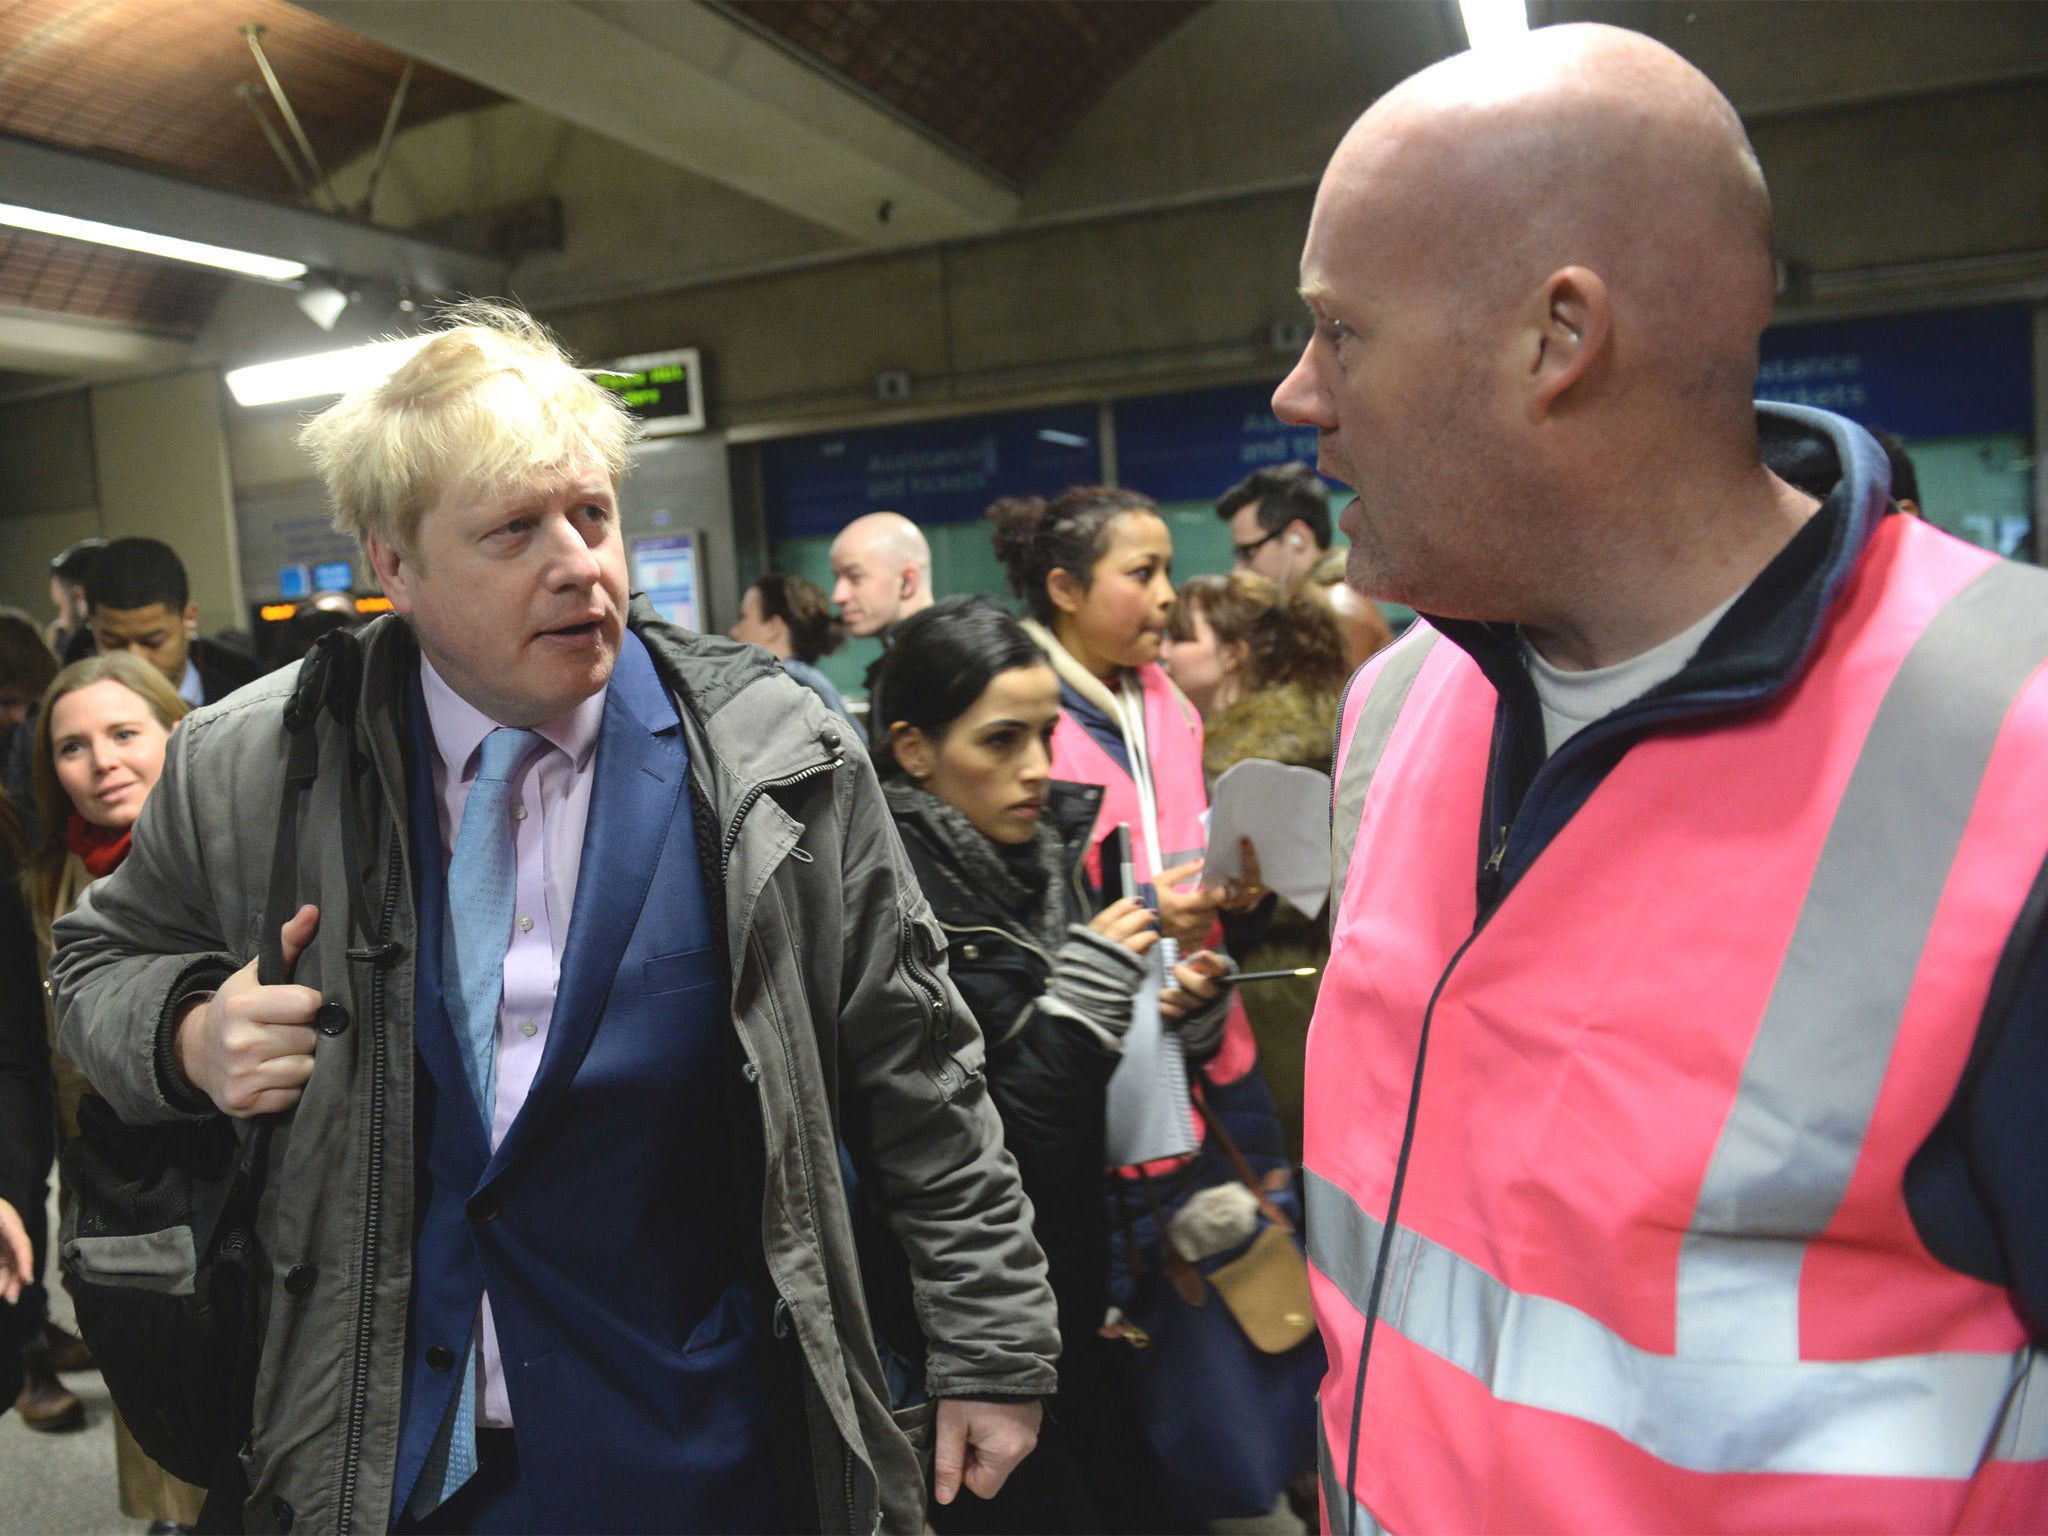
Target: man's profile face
(156,632)
(1402,400)
(68,597)
(518,596)
(867,588)
(1279,557)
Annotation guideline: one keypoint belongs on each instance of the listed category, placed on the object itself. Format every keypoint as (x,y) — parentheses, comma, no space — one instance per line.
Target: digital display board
(664,389)
(334,576)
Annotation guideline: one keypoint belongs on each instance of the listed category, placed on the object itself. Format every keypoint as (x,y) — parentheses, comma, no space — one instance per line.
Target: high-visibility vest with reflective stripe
(1173,741)
(1654,1269)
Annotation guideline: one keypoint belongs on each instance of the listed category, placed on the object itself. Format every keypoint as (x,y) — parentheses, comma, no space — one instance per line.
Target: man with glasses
(1279,521)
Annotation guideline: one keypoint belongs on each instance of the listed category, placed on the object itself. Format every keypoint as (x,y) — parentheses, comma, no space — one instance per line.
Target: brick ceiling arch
(152,83)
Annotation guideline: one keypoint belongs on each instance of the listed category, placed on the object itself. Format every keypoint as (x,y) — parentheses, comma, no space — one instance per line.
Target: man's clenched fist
(249,1047)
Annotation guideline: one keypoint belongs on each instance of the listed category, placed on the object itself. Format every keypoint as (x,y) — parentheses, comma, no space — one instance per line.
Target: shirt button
(529,1028)
(519,813)
(526,925)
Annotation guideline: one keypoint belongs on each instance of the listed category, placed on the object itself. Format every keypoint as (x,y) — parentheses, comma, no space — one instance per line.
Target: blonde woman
(99,751)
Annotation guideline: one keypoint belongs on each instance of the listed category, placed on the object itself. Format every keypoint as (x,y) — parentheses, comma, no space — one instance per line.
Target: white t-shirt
(1574,700)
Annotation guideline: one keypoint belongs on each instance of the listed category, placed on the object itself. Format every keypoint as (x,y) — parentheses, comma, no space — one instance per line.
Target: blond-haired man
(556,1218)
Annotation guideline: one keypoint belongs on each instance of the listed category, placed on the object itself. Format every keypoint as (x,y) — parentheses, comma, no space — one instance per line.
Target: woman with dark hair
(1094,568)
(967,708)
(792,619)
(1266,667)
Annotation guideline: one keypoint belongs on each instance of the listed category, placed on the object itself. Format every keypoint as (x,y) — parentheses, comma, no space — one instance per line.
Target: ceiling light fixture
(321,373)
(322,304)
(270,269)
(1493,21)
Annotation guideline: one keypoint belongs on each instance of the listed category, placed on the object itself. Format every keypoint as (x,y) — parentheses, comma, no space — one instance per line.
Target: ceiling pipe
(253,96)
(384,139)
(253,32)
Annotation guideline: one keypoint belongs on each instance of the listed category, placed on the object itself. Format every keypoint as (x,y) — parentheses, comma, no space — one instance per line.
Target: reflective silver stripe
(1933,1416)
(1363,1522)
(1809,1087)
(1369,737)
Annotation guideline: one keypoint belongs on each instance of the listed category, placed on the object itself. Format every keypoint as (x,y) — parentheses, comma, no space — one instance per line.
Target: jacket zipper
(1001,933)
(755,792)
(359,1395)
(732,837)
(927,988)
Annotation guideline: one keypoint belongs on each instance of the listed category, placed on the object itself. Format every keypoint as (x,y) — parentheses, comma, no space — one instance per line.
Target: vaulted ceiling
(154,83)
(1004,80)
(690,142)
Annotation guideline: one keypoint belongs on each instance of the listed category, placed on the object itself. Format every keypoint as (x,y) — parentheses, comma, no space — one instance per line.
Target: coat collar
(1762,644)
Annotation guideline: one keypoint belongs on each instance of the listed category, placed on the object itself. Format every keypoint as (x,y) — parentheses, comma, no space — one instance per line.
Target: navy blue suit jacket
(605,1226)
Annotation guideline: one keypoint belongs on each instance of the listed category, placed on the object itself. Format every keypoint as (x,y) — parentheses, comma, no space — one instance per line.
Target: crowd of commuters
(1665,1154)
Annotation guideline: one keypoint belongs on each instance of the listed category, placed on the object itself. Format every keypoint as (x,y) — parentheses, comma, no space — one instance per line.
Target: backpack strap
(1369,737)
(330,681)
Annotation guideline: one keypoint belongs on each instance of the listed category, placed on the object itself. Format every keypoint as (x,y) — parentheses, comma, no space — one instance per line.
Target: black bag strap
(330,680)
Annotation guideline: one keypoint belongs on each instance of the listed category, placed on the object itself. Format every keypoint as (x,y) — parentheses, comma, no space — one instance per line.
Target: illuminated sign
(665,568)
(664,389)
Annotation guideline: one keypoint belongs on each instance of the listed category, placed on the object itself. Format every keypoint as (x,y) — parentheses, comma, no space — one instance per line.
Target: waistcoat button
(484,1207)
(440,1358)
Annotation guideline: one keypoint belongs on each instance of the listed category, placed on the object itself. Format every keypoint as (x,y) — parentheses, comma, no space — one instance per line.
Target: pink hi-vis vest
(1653,1268)
(1173,741)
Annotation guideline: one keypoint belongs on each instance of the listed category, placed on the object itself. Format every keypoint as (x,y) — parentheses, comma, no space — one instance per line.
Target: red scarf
(99,849)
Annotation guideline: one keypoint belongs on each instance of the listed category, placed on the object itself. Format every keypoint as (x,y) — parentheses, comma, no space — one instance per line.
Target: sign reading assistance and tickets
(664,389)
(932,472)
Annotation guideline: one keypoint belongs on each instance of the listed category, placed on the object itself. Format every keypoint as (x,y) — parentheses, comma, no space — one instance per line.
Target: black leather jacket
(1047,1075)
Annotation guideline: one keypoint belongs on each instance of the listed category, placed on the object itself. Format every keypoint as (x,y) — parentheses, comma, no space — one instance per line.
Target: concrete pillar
(162,465)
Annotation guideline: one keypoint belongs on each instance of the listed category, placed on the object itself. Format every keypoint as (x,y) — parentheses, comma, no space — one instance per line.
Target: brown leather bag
(1266,1286)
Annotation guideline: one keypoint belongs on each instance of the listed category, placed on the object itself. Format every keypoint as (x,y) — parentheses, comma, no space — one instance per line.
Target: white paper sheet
(1285,811)
(1150,1114)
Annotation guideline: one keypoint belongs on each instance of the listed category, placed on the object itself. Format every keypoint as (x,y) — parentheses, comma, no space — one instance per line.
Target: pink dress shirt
(549,815)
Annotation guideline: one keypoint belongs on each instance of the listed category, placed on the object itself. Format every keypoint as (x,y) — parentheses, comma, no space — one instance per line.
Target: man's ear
(191,621)
(1066,592)
(1572,319)
(912,749)
(394,571)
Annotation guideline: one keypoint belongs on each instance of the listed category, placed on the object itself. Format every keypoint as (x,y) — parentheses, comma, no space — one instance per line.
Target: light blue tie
(482,883)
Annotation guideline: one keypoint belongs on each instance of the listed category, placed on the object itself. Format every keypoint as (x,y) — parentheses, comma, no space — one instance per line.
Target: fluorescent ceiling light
(271,269)
(323,373)
(1493,21)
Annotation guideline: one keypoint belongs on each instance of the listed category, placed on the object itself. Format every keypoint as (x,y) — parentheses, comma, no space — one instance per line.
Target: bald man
(881,573)
(1677,1152)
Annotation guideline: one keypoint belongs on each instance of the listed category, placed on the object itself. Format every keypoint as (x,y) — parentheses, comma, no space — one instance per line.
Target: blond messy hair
(491,401)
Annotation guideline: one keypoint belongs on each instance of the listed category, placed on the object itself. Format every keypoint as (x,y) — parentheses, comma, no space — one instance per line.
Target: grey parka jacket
(846,1025)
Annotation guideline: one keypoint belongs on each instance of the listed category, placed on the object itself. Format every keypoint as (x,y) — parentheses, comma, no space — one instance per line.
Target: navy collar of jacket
(1760,645)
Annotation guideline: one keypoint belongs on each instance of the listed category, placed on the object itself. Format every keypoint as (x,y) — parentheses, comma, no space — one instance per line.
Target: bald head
(881,570)
(1539,272)
(1582,146)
